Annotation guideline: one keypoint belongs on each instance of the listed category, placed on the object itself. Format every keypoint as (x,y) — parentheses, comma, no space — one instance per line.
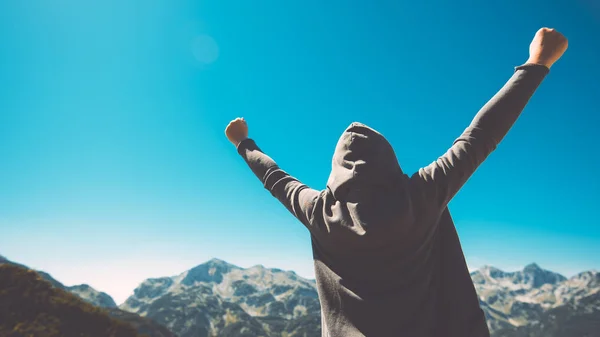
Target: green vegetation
(31,307)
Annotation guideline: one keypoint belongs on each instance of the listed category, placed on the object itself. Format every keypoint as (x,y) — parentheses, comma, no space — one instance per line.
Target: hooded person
(387,257)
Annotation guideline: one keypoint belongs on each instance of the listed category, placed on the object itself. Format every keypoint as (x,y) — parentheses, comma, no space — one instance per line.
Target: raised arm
(438,182)
(298,198)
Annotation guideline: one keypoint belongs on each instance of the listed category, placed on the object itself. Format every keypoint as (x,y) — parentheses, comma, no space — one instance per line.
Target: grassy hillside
(31,306)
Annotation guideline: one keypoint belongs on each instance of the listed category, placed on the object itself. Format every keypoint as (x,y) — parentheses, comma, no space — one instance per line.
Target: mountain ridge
(509,299)
(219,298)
(270,300)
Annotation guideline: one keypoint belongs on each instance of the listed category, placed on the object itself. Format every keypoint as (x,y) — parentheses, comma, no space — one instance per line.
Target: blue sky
(114,166)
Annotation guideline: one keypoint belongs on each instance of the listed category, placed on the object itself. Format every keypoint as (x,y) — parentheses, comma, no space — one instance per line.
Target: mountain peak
(536,276)
(215,262)
(210,271)
(82,286)
(489,268)
(91,295)
(226,297)
(491,271)
(591,276)
(532,267)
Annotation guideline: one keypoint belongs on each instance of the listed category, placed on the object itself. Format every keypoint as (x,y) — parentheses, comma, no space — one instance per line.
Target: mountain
(44,275)
(93,296)
(576,318)
(144,326)
(84,291)
(32,306)
(527,298)
(218,298)
(97,299)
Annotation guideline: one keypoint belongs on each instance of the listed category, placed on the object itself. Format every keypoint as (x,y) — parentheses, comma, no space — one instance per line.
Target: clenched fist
(236,131)
(547,47)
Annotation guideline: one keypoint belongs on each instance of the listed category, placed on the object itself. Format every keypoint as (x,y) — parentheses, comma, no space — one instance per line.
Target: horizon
(121,300)
(114,166)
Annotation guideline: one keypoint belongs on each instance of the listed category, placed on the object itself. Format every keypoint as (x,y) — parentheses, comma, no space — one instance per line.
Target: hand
(236,131)
(547,47)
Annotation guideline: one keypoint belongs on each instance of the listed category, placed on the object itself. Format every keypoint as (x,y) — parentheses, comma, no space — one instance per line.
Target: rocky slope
(93,296)
(217,298)
(514,299)
(576,318)
(220,299)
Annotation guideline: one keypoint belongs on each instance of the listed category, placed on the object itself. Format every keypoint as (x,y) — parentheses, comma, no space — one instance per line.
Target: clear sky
(114,166)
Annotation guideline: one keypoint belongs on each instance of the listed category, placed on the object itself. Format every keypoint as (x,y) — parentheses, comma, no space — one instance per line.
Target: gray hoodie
(388,261)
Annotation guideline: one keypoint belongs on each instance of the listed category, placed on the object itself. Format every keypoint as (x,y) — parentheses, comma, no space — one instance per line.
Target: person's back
(388,261)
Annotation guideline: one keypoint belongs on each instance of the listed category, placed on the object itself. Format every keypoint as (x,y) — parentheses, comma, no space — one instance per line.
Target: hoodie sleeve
(298,198)
(440,181)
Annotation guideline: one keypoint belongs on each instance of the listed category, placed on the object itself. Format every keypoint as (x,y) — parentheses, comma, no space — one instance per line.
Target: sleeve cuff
(533,66)
(245,144)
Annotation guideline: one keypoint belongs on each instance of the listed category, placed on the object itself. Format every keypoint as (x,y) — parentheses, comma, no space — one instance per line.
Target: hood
(364,165)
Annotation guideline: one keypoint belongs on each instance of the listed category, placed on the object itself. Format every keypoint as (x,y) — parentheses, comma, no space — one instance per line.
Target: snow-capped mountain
(217,298)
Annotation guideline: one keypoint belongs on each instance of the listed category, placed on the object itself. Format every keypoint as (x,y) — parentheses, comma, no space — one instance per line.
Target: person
(387,258)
